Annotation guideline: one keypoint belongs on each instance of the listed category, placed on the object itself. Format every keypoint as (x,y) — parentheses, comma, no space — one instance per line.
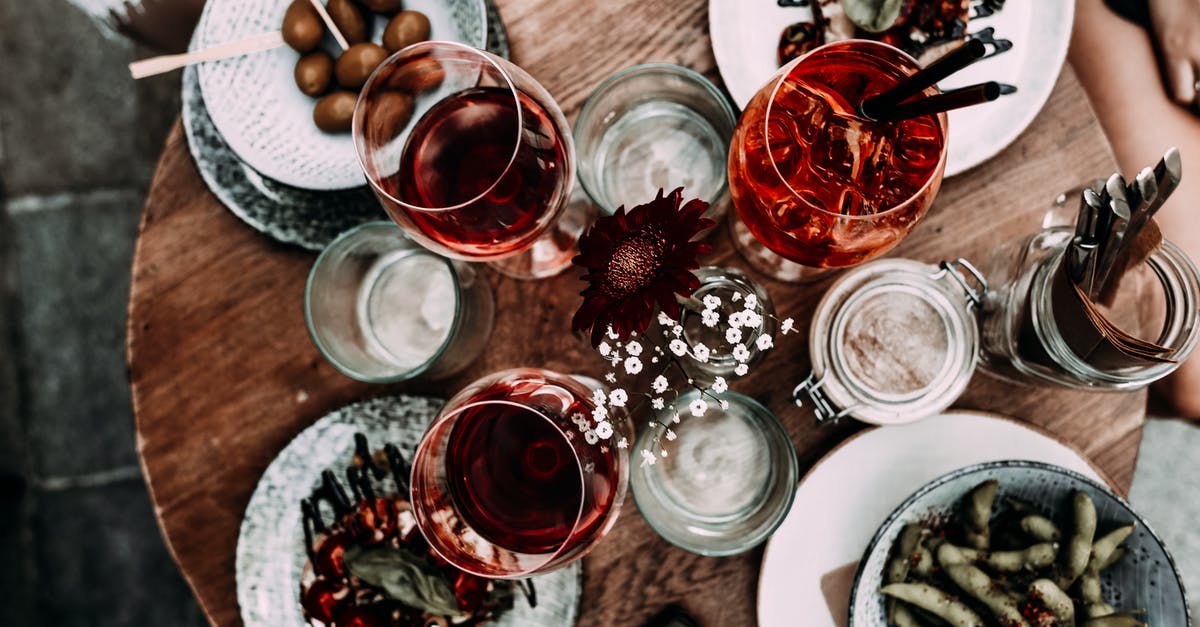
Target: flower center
(634,263)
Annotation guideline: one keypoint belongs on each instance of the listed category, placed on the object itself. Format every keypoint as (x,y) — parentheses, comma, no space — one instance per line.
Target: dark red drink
(509,462)
(489,178)
(814,181)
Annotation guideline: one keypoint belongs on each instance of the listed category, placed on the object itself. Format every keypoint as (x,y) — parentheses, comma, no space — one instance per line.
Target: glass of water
(654,126)
(383,309)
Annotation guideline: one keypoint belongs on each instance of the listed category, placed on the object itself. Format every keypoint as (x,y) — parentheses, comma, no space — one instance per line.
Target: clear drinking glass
(653,126)
(382,309)
(517,476)
(470,155)
(727,481)
(817,186)
(723,356)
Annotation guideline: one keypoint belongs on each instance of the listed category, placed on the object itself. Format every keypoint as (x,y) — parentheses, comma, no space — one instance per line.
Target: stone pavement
(78,143)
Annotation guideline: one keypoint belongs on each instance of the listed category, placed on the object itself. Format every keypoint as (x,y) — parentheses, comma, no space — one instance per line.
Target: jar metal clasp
(823,408)
(953,270)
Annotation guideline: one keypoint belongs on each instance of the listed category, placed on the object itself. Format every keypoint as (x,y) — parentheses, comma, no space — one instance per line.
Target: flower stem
(690,303)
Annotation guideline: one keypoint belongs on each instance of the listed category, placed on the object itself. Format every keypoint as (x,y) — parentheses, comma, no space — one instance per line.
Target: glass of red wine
(518,475)
(471,156)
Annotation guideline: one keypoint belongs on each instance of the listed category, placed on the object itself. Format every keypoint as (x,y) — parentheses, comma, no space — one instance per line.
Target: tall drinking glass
(815,184)
(470,155)
(517,475)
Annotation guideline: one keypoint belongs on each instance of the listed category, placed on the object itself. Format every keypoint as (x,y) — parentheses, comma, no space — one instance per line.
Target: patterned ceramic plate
(307,218)
(261,114)
(745,36)
(1145,579)
(270,550)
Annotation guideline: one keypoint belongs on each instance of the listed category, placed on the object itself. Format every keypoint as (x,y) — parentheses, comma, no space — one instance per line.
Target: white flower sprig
(745,334)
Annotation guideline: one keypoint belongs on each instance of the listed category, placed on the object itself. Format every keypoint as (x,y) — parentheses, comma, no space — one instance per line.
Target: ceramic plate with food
(281,583)
(255,101)
(811,560)
(747,38)
(1016,544)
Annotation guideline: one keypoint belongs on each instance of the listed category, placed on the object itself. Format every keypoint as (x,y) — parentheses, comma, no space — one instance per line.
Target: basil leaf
(404,577)
(873,16)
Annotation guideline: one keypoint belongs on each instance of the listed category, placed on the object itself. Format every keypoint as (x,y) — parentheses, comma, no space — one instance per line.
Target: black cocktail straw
(876,108)
(955,99)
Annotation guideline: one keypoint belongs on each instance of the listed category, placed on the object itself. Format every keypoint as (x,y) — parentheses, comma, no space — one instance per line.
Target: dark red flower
(638,260)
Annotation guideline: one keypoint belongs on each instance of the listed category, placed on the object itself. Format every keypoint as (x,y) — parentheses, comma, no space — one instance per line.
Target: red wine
(461,149)
(516,480)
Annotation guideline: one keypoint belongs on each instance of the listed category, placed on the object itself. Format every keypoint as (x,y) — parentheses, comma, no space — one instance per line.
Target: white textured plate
(254,102)
(745,35)
(842,500)
(270,550)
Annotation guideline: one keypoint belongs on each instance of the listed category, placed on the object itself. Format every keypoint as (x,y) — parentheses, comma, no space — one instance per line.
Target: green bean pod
(902,557)
(1040,528)
(1036,556)
(1089,588)
(1098,610)
(1103,548)
(1114,620)
(901,616)
(936,602)
(1113,558)
(922,563)
(1079,545)
(977,509)
(1054,599)
(948,555)
(976,583)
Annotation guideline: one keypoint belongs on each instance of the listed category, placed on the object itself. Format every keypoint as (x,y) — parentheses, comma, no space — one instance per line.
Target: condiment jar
(1025,338)
(894,341)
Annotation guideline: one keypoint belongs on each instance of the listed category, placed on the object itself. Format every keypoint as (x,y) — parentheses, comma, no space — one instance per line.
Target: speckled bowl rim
(1011,463)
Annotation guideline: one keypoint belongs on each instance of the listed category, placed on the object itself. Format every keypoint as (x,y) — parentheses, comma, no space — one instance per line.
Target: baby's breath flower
(679,347)
(617,398)
(677,331)
(741,353)
(623,443)
(590,437)
(710,317)
(612,335)
(604,430)
(751,301)
(633,348)
(741,370)
(788,326)
(648,458)
(605,349)
(654,359)
(671,435)
(616,359)
(698,407)
(660,384)
(663,452)
(610,377)
(724,404)
(600,413)
(664,319)
(733,335)
(735,318)
(764,342)
(720,386)
(675,418)
(599,397)
(633,365)
(751,319)
(736,297)
(657,403)
(711,301)
(701,352)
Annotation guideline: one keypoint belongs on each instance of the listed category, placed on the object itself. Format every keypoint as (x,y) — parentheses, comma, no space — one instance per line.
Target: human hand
(1177,31)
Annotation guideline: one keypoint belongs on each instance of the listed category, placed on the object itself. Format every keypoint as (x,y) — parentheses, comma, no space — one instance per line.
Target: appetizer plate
(1145,579)
(306,218)
(745,36)
(270,550)
(260,112)
(842,500)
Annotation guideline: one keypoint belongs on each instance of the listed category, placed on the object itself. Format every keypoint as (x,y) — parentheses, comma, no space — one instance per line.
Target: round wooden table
(223,373)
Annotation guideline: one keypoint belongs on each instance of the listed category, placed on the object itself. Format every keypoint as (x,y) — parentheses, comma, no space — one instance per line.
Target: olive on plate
(357,62)
(302,28)
(349,19)
(334,113)
(314,73)
(405,29)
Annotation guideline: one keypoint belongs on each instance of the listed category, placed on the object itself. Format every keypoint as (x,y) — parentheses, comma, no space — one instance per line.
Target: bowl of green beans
(1016,544)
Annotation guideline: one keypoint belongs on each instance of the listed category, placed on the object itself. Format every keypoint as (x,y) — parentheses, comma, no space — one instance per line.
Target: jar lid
(893,341)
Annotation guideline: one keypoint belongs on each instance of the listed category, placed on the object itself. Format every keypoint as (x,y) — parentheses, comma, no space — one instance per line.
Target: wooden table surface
(223,373)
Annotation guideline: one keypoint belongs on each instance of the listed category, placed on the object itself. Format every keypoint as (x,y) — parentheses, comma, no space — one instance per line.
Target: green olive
(302,28)
(357,63)
(334,113)
(349,20)
(314,73)
(382,6)
(405,29)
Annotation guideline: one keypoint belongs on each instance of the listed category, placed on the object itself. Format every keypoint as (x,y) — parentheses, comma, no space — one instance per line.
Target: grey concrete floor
(78,143)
